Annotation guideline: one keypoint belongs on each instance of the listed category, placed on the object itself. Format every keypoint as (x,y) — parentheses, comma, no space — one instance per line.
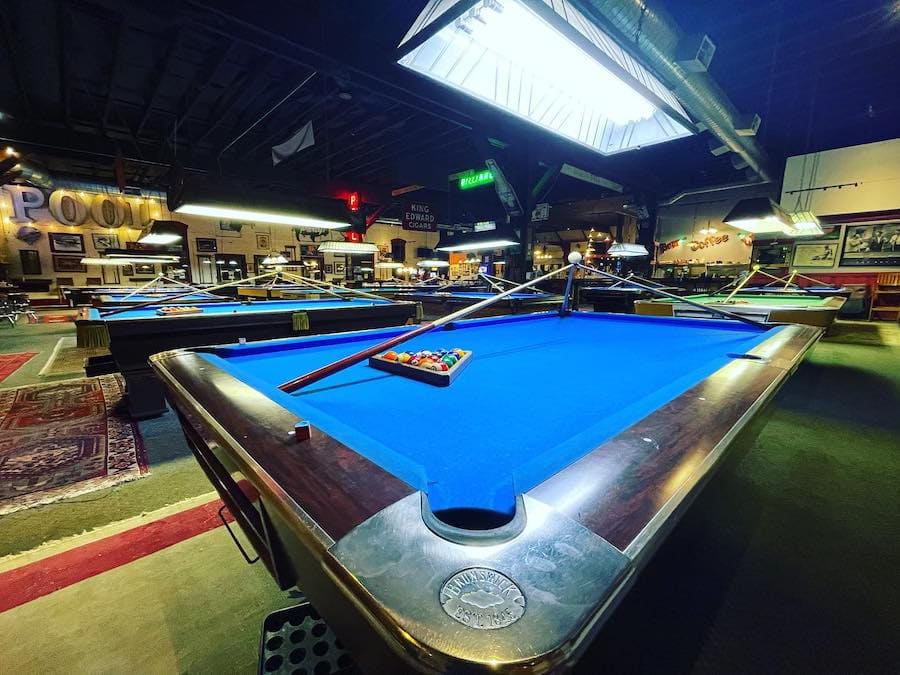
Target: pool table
(134,334)
(617,298)
(493,524)
(803,291)
(439,303)
(112,300)
(809,310)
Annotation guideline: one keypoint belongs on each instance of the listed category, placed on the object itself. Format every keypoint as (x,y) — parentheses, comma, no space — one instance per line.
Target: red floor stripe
(42,577)
(10,363)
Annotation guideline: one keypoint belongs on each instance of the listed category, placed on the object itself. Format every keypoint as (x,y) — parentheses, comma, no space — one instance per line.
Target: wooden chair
(887,291)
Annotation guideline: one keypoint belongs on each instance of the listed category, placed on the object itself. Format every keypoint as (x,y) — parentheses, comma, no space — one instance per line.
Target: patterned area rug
(63,439)
(10,363)
(68,359)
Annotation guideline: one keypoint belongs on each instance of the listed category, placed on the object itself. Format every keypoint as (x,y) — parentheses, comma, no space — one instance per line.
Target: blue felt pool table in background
(223,308)
(466,445)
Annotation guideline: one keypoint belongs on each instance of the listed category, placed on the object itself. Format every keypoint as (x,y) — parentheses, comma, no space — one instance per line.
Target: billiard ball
(390,356)
(403,357)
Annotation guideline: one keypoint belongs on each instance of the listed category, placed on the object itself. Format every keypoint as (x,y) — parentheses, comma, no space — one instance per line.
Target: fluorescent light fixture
(366,269)
(487,244)
(389,265)
(259,216)
(618,250)
(549,64)
(275,260)
(138,256)
(759,215)
(804,224)
(122,262)
(433,263)
(346,247)
(159,238)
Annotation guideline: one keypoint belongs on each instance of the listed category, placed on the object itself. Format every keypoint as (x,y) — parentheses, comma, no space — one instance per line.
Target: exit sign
(475,179)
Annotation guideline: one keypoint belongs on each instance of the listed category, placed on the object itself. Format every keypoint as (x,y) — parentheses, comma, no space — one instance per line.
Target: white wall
(870,175)
(855,180)
(685,218)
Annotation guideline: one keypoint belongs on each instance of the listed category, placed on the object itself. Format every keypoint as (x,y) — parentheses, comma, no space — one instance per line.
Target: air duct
(656,37)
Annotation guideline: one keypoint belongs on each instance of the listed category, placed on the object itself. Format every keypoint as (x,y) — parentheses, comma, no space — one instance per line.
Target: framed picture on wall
(290,252)
(872,244)
(263,241)
(127,270)
(31,262)
(329,269)
(144,269)
(105,241)
(815,255)
(206,245)
(68,263)
(228,228)
(110,274)
(339,268)
(66,242)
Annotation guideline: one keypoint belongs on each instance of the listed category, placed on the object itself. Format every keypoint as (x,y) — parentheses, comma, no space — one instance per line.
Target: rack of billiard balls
(178,310)
(439,367)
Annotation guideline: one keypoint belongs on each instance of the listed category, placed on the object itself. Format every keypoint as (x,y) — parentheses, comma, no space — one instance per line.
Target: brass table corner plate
(458,603)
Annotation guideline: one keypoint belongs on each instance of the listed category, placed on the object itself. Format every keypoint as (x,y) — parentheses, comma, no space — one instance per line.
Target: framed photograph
(127,270)
(144,269)
(339,268)
(872,244)
(815,255)
(105,241)
(228,228)
(31,262)
(329,269)
(66,242)
(68,263)
(263,241)
(110,274)
(205,245)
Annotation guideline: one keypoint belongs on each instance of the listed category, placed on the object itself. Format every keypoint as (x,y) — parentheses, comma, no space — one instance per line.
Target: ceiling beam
(63,25)
(204,77)
(9,43)
(117,59)
(162,69)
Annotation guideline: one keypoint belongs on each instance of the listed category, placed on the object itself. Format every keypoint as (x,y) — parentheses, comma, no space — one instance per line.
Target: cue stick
(294,277)
(743,283)
(501,280)
(141,305)
(319,373)
(672,296)
(325,286)
(143,286)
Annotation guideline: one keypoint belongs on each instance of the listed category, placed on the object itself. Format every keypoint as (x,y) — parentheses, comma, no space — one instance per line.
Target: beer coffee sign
(420,217)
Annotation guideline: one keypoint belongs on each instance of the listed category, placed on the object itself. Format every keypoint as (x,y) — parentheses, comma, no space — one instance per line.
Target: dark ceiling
(164,82)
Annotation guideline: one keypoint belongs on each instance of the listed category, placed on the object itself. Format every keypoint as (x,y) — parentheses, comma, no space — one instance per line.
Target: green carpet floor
(174,474)
(789,562)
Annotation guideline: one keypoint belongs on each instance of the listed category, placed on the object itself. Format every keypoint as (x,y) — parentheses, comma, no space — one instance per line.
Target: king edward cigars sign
(419,217)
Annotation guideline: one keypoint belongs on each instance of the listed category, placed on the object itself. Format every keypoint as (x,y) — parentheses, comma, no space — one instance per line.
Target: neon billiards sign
(475,179)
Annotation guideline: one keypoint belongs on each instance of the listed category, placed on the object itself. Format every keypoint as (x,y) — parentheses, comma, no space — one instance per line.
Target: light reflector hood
(544,61)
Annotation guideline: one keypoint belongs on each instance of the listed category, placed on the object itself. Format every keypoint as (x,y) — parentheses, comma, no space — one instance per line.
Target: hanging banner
(419,217)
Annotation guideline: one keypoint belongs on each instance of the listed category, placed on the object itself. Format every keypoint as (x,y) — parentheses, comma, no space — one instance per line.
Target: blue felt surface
(540,392)
(141,297)
(216,308)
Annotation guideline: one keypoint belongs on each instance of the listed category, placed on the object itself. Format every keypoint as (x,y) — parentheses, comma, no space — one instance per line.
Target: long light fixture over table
(358,248)
(259,216)
(547,63)
(759,215)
